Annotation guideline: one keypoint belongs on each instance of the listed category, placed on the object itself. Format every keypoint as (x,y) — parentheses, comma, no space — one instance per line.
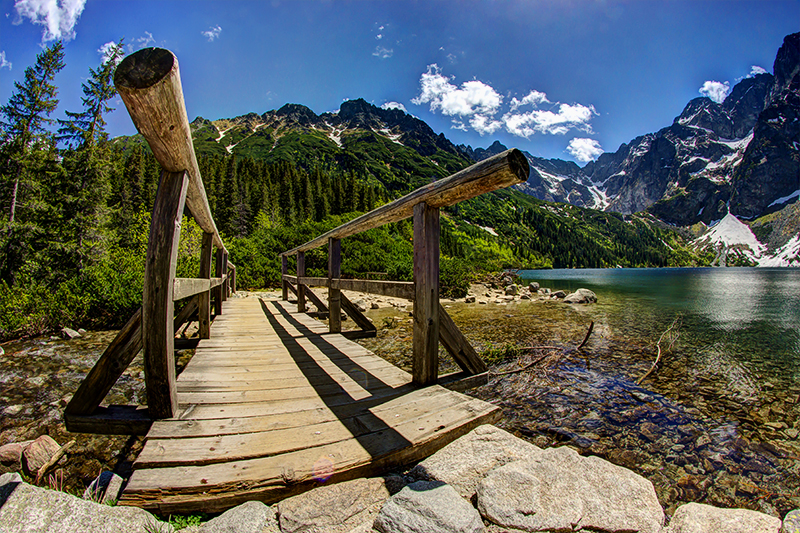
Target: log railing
(149,83)
(432,324)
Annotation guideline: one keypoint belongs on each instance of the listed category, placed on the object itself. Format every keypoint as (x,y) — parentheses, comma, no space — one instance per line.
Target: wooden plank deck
(273,405)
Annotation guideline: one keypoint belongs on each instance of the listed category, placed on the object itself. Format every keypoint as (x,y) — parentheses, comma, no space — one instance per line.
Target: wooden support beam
(291,288)
(186,287)
(334,293)
(284,271)
(396,289)
(425,364)
(316,300)
(233,279)
(107,370)
(149,83)
(186,314)
(225,281)
(157,305)
(111,420)
(497,172)
(204,301)
(217,292)
(355,334)
(358,317)
(463,381)
(301,289)
(458,346)
(313,281)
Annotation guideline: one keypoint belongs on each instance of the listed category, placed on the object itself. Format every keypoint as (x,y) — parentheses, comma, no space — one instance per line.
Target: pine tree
(27,155)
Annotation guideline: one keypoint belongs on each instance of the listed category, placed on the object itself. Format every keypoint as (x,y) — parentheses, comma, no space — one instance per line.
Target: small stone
(470,299)
(649,431)
(68,333)
(430,507)
(12,410)
(703,440)
(38,453)
(374,305)
(82,331)
(533,286)
(482,302)
(10,454)
(702,518)
(512,290)
(791,433)
(105,488)
(791,522)
(525,297)
(559,294)
(776,425)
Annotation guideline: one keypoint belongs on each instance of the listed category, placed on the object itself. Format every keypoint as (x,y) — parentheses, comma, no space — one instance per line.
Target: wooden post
(425,363)
(158,311)
(301,289)
(233,280)
(225,284)
(284,283)
(204,298)
(334,294)
(218,289)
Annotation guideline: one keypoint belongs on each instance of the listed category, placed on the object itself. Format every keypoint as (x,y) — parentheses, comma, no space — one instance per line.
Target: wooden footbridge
(274,402)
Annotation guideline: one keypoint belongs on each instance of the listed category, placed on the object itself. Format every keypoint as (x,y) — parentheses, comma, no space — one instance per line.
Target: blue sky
(560,79)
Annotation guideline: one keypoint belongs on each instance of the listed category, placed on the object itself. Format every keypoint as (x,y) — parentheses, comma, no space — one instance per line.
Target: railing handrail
(496,172)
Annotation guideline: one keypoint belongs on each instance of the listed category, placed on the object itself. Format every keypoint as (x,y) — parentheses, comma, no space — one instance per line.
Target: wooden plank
(157,305)
(204,301)
(457,346)
(111,420)
(359,334)
(313,282)
(425,362)
(316,300)
(396,289)
(149,83)
(334,293)
(216,294)
(463,381)
(107,370)
(358,317)
(301,289)
(185,287)
(497,172)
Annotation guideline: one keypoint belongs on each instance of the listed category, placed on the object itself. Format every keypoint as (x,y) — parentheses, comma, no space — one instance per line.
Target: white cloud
(107,52)
(383,53)
(142,42)
(58,17)
(584,150)
(484,124)
(715,90)
(212,33)
(3,62)
(534,98)
(575,116)
(755,70)
(379,36)
(394,105)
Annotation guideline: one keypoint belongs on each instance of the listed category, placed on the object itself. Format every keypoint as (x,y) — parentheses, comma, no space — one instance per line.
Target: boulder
(470,299)
(558,490)
(464,462)
(511,290)
(68,333)
(11,454)
(336,508)
(25,508)
(105,488)
(428,507)
(791,522)
(700,518)
(581,296)
(559,294)
(374,305)
(37,453)
(533,286)
(250,517)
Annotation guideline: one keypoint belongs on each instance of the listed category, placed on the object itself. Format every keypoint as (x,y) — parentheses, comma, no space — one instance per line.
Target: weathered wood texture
(273,405)
(334,293)
(157,304)
(497,172)
(301,289)
(216,294)
(111,420)
(149,83)
(204,301)
(426,301)
(284,271)
(316,300)
(353,312)
(457,346)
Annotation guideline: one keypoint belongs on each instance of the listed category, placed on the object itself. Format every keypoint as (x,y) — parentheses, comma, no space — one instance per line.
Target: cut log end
(519,165)
(144,68)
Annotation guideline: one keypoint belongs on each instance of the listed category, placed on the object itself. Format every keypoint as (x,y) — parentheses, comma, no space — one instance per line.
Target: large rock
(560,490)
(69,333)
(333,508)
(28,509)
(701,518)
(428,507)
(581,296)
(791,522)
(105,488)
(38,453)
(11,454)
(250,517)
(511,290)
(464,462)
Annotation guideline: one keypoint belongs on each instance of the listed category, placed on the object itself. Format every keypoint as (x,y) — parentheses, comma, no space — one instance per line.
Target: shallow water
(717,420)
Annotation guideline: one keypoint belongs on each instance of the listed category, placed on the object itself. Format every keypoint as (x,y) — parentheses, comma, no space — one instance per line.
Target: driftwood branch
(674,326)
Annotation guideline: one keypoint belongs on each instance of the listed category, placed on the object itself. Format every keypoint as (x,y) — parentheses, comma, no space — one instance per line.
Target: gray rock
(104,489)
(701,518)
(428,507)
(28,509)
(2,351)
(525,296)
(559,294)
(581,296)
(82,331)
(464,462)
(68,333)
(470,299)
(533,286)
(337,508)
(559,490)
(37,453)
(511,290)
(250,517)
(374,305)
(791,522)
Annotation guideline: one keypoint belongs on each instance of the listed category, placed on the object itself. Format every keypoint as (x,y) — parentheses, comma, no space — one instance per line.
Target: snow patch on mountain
(787,255)
(731,231)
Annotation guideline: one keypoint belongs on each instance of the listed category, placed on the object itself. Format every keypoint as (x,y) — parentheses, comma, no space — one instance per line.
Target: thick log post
(284,283)
(233,279)
(217,291)
(425,363)
(158,312)
(334,294)
(301,289)
(226,281)
(204,299)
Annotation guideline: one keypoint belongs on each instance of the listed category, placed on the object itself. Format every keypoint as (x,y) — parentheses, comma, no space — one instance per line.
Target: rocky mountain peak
(298,113)
(787,63)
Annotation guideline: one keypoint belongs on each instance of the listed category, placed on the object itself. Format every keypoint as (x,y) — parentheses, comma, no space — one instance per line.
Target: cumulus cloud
(107,51)
(3,62)
(755,70)
(584,150)
(142,42)
(716,90)
(476,104)
(394,105)
(212,33)
(58,17)
(383,53)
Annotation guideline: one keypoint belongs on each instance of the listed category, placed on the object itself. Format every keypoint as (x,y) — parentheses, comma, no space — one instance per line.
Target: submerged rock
(581,296)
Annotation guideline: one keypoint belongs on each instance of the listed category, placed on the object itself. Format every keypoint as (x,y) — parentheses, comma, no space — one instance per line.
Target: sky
(561,79)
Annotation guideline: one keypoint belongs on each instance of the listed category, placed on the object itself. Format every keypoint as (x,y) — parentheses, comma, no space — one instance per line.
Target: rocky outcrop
(428,507)
(701,518)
